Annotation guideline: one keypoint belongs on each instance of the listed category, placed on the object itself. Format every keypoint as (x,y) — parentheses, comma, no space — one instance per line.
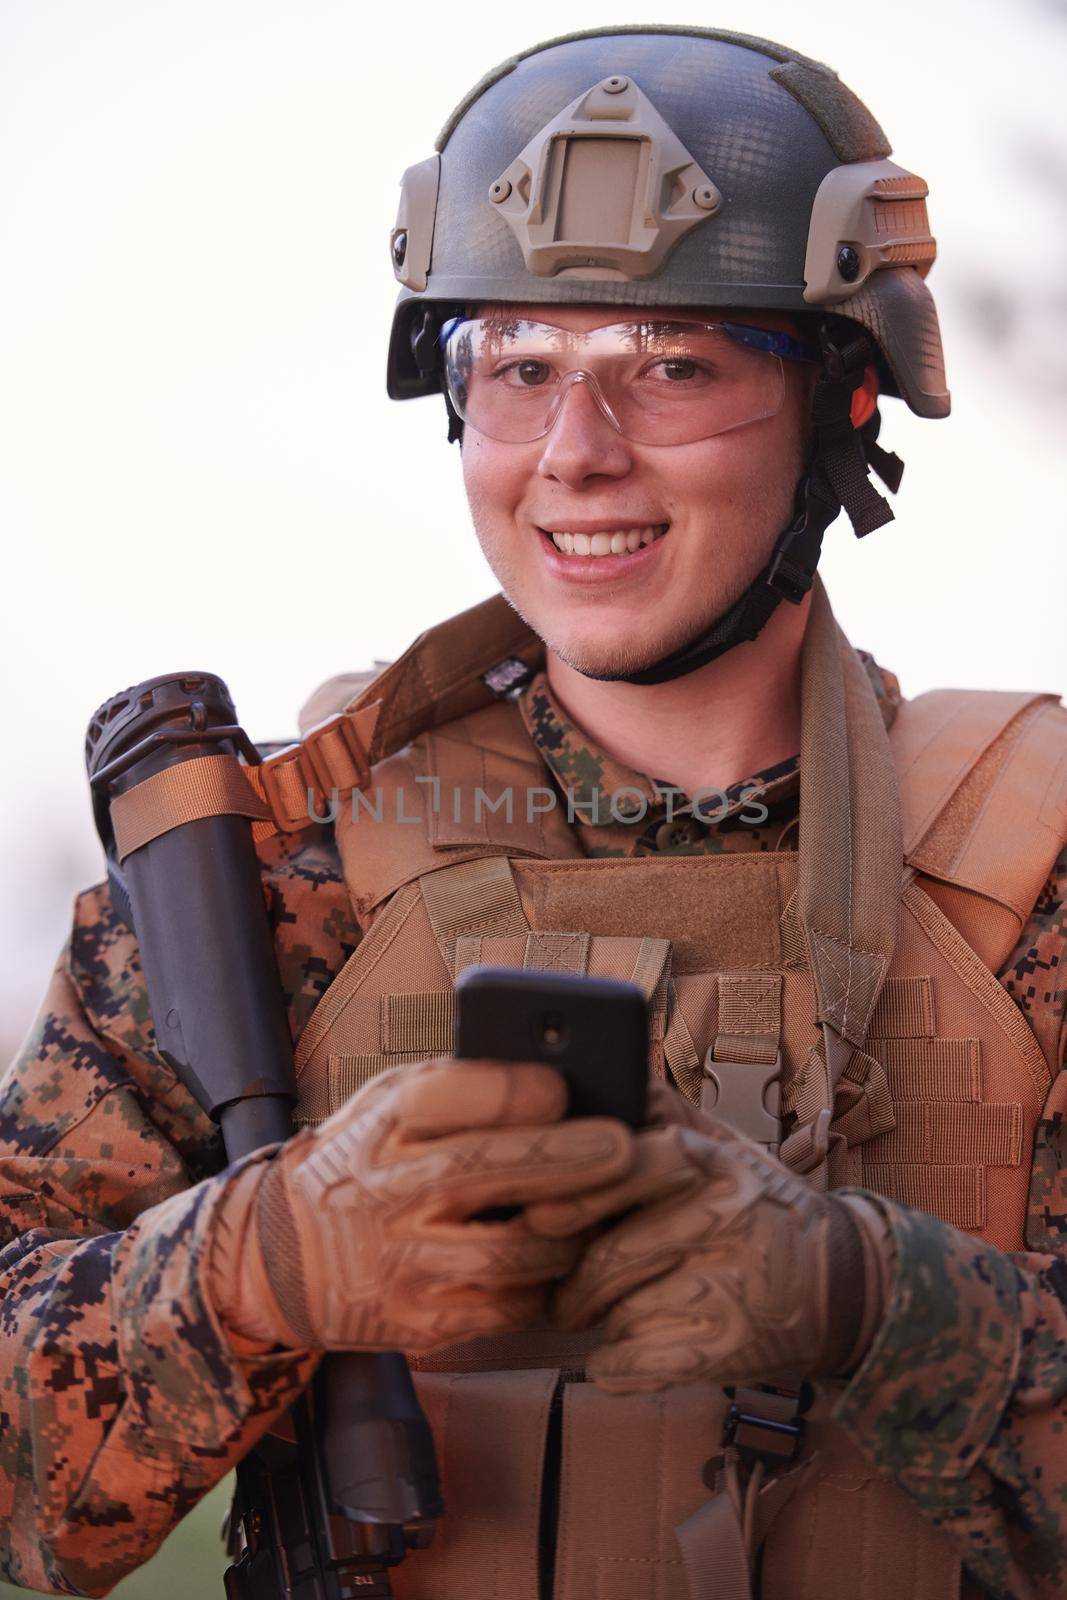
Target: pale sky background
(198,464)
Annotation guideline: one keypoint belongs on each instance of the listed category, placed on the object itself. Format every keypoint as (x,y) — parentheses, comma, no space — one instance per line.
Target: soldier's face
(709,512)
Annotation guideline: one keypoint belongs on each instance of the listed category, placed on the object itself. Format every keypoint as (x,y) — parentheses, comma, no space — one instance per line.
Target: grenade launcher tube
(195,898)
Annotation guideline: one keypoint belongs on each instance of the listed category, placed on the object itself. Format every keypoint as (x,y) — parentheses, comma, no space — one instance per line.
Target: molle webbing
(351,1073)
(418,1023)
(478,895)
(749,1017)
(905,1009)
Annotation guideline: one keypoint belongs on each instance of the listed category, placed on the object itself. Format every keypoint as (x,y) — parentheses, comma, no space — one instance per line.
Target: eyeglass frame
(772,341)
(769,341)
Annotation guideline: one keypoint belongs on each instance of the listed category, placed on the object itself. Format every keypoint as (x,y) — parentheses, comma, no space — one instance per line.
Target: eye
(678,370)
(528,373)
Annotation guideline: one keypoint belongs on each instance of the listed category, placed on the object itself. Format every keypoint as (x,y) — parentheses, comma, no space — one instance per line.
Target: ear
(865,399)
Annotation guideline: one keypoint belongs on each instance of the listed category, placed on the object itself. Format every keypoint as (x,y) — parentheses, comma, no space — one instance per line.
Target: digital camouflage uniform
(122,1404)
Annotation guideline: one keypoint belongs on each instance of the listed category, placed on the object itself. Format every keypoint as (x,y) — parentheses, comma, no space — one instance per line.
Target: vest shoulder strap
(440,677)
(983,789)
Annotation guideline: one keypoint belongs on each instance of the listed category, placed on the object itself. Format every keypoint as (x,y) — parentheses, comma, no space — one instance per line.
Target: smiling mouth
(618,542)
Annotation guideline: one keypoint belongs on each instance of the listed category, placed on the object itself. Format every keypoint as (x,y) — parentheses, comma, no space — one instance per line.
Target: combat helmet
(651,167)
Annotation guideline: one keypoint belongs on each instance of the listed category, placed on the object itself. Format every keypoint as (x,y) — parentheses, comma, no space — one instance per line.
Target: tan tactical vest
(859,966)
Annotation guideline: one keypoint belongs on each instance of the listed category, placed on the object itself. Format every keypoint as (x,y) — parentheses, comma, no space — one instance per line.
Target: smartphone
(594,1031)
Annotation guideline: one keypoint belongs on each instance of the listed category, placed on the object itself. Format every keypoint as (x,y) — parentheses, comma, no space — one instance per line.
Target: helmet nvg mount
(658,167)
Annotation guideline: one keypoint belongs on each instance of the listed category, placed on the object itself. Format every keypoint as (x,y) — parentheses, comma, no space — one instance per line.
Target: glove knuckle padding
(369,1235)
(731,1281)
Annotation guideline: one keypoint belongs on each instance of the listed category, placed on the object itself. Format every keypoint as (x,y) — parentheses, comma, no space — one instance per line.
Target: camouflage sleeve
(1035,974)
(122,1403)
(963,1396)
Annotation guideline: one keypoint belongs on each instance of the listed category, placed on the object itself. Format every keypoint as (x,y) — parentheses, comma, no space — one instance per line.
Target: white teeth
(624,541)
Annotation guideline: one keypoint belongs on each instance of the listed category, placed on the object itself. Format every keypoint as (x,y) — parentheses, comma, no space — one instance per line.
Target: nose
(583,443)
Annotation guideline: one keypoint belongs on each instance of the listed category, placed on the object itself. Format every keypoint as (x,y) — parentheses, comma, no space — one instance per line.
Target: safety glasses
(658,382)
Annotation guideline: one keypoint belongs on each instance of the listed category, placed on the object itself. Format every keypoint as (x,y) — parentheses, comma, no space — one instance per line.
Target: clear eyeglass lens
(658,382)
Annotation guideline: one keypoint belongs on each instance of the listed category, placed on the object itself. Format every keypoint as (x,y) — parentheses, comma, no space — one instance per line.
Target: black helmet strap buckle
(838,452)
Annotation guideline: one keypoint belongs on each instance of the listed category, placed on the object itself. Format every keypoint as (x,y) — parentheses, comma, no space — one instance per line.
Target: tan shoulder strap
(336,695)
(983,781)
(441,677)
(849,873)
(850,856)
(938,738)
(850,862)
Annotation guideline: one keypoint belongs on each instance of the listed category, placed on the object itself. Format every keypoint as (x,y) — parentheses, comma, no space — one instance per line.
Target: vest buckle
(335,755)
(766,1424)
(747,1096)
(283,777)
(329,757)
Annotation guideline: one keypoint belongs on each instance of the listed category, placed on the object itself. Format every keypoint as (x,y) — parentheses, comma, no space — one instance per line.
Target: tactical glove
(724,1265)
(365,1233)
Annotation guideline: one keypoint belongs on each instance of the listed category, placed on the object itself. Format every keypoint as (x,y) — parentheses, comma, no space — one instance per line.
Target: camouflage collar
(587,775)
(603,792)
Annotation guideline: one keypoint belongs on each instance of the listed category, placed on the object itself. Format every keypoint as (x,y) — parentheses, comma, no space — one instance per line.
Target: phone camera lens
(553,1031)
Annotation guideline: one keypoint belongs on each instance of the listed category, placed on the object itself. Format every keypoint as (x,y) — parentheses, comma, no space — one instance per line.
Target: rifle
(330,1503)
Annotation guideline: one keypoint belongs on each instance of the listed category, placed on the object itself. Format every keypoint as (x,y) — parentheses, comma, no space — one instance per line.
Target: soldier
(661,277)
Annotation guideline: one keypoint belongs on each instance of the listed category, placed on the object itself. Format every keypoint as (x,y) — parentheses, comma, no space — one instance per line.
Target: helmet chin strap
(836,478)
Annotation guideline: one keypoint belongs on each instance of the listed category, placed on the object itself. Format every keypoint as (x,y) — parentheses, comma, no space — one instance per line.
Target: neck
(718,725)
